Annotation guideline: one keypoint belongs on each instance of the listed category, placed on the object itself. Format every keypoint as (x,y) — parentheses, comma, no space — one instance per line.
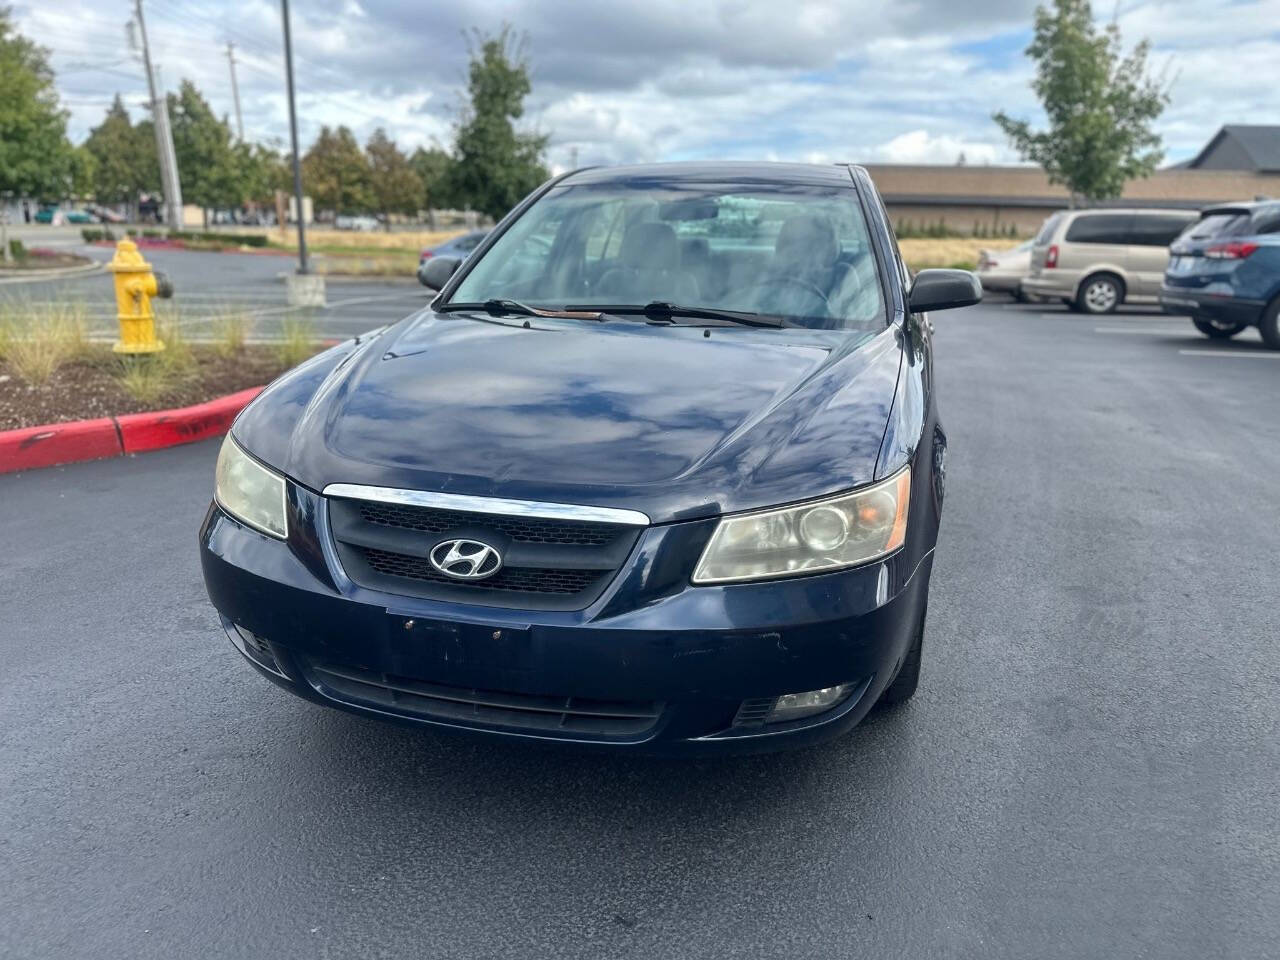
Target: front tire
(903,686)
(1099,294)
(1269,324)
(1215,330)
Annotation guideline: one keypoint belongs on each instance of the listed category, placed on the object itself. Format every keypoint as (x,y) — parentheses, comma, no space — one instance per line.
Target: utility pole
(164,136)
(303,267)
(235,90)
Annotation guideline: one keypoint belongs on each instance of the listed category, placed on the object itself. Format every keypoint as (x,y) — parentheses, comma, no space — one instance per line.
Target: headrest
(807,239)
(650,246)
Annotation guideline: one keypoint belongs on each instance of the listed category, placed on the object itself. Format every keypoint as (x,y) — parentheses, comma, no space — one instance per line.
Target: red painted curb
(31,447)
(169,428)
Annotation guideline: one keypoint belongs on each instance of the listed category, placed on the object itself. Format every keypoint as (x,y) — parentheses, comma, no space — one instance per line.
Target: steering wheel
(804,285)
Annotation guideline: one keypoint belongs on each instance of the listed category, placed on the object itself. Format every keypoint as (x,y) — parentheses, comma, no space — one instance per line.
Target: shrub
(131,233)
(297,340)
(231,329)
(146,378)
(91,234)
(17,249)
(40,339)
(154,234)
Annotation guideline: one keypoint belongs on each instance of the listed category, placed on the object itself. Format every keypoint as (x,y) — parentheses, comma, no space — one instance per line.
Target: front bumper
(1211,305)
(700,659)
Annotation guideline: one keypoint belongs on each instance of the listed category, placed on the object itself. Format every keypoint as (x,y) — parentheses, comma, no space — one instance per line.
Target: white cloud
(664,79)
(919,146)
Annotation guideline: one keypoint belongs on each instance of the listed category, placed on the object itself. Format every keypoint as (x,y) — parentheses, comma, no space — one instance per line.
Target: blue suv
(1224,270)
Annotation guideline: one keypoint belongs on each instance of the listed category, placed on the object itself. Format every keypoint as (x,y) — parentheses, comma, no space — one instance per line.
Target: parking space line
(1256,355)
(1144,331)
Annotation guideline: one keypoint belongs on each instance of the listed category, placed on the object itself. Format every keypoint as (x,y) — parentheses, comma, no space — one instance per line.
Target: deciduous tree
(434,168)
(1100,104)
(125,163)
(202,143)
(335,172)
(496,166)
(35,157)
(395,185)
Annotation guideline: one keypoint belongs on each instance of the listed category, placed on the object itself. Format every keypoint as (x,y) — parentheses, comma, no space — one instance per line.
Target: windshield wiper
(662,309)
(503,306)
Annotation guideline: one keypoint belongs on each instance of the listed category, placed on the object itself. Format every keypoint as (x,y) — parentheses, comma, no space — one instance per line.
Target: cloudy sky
(911,81)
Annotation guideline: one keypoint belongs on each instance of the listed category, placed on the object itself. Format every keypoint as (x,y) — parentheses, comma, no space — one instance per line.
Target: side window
(1267,221)
(1046,231)
(1157,230)
(1101,228)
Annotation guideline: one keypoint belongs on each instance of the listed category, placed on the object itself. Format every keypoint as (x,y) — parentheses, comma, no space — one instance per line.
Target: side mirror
(436,272)
(943,289)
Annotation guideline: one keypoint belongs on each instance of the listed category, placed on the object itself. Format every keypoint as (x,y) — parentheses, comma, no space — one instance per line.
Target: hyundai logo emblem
(465,559)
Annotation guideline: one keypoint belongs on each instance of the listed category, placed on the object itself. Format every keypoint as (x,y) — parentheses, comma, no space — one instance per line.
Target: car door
(1148,253)
(1095,242)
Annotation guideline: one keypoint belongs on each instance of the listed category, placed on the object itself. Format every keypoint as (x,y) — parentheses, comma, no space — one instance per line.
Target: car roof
(716,172)
(1251,206)
(1183,211)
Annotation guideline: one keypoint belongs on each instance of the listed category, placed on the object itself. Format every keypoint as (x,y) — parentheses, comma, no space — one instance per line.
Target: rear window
(1046,231)
(1224,223)
(1100,228)
(1266,220)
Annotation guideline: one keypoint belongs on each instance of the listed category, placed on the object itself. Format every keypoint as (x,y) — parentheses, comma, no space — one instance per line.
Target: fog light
(253,648)
(793,706)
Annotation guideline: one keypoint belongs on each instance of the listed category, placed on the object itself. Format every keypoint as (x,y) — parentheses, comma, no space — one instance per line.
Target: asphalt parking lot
(207,285)
(1089,770)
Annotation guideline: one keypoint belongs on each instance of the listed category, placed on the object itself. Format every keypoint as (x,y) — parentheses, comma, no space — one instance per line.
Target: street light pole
(303,266)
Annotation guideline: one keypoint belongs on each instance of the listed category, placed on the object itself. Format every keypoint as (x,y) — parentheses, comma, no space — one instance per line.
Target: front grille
(547,564)
(520,580)
(556,716)
(519,529)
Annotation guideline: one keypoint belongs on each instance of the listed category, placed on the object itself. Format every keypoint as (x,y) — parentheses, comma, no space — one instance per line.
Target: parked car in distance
(56,216)
(1002,271)
(459,247)
(361,223)
(660,468)
(1095,260)
(1225,271)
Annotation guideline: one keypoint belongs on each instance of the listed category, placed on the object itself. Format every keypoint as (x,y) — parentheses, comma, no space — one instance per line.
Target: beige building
(965,197)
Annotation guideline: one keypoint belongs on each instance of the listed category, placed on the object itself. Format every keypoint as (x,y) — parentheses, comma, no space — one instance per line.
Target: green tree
(395,185)
(335,173)
(1100,104)
(434,168)
(35,157)
(496,166)
(125,163)
(261,172)
(207,165)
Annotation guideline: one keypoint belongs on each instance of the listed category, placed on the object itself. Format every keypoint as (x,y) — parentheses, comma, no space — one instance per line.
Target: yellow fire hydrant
(136,284)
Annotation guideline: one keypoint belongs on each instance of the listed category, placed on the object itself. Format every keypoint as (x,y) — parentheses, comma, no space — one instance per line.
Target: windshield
(796,251)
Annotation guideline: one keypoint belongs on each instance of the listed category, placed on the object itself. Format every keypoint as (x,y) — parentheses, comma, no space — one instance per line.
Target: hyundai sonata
(660,467)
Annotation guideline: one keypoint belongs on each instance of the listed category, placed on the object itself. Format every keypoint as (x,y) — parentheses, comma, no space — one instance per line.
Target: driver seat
(648,269)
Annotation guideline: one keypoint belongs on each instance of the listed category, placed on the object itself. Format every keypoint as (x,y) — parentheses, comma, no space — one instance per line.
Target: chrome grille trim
(491,505)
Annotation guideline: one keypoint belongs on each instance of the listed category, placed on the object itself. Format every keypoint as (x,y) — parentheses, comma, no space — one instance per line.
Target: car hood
(674,421)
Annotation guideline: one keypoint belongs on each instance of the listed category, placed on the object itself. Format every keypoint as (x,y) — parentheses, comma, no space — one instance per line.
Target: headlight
(249,491)
(843,531)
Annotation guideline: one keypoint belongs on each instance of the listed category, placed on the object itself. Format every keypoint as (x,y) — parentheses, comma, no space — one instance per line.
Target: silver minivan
(1095,260)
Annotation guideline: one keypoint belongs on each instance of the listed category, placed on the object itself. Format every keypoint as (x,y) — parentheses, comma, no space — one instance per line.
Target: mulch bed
(84,389)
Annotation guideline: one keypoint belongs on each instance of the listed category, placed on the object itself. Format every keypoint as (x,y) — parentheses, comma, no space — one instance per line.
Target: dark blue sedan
(1224,270)
(660,468)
